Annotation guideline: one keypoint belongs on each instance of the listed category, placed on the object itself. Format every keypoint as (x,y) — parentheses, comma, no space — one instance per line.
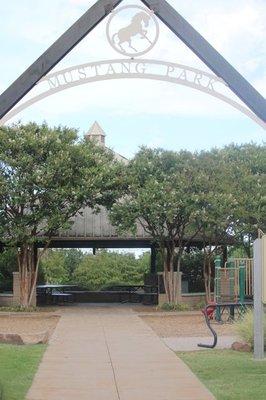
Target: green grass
(31,309)
(228,374)
(174,307)
(18,365)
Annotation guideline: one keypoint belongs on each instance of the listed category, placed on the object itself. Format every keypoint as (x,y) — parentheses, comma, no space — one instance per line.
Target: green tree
(248,185)
(59,265)
(73,258)
(8,265)
(231,209)
(218,205)
(46,176)
(163,195)
(109,268)
(54,268)
(144,262)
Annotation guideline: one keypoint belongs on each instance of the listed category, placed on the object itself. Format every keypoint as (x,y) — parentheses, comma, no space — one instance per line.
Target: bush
(22,309)
(19,309)
(8,264)
(110,285)
(53,267)
(174,307)
(245,328)
(93,272)
(1,392)
(200,305)
(109,269)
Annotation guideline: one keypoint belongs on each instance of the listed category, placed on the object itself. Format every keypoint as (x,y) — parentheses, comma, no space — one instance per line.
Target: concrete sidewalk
(109,353)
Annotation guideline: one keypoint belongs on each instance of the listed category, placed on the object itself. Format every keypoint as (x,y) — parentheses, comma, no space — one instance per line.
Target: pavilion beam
(55,54)
(218,64)
(97,244)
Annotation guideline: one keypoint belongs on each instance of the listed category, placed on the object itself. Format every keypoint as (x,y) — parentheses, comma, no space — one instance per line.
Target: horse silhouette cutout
(138,23)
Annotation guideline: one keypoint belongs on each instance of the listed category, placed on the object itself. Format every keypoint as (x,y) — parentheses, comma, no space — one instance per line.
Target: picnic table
(147,294)
(61,294)
(55,293)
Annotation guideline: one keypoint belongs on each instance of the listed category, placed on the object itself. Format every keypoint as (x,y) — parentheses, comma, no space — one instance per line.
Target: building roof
(97,133)
(95,130)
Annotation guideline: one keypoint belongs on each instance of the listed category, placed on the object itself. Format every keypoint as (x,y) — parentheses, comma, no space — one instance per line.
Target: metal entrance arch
(171,18)
(132,69)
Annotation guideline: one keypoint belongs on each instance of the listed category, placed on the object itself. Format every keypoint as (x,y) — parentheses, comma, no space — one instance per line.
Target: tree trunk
(28,271)
(171,283)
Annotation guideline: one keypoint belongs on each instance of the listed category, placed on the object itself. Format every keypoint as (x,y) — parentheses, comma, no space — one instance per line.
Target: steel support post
(258,305)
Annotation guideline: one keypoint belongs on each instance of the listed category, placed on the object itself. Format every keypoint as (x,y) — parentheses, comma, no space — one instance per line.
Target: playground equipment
(234,282)
(233,288)
(233,293)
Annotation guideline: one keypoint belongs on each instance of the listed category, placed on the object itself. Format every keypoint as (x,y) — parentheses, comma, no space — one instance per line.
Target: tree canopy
(46,176)
(217,195)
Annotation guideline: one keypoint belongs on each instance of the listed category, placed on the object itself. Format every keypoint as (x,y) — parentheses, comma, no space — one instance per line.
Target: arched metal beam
(127,75)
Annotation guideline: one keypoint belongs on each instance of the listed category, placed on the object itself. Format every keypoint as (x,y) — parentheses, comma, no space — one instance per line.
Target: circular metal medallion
(132,30)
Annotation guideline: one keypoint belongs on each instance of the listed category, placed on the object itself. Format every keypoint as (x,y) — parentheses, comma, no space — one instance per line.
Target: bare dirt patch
(145,309)
(29,327)
(184,324)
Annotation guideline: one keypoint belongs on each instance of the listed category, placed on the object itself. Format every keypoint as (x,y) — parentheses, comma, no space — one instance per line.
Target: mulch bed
(29,326)
(184,324)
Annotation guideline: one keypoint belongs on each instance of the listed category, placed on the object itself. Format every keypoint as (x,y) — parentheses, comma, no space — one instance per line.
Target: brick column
(179,277)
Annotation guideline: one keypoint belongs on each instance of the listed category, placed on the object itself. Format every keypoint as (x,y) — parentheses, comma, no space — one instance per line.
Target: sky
(141,112)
